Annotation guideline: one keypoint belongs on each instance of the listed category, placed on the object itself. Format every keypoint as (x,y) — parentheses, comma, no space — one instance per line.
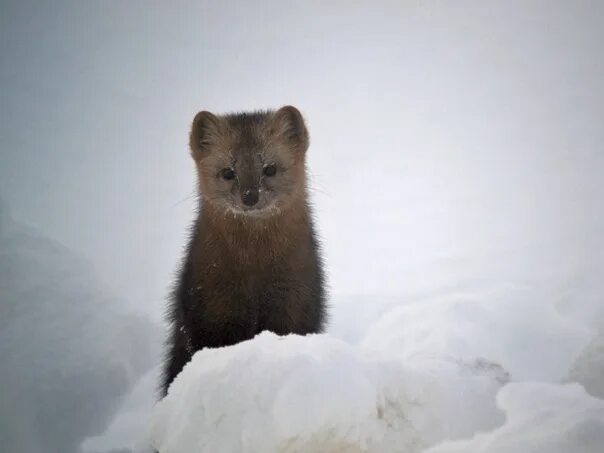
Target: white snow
(588,369)
(540,418)
(427,373)
(128,430)
(510,326)
(313,393)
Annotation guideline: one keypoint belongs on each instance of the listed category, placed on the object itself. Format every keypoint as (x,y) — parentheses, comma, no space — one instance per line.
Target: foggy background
(452,143)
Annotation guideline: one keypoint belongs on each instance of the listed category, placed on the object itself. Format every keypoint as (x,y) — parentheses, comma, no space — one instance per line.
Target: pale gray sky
(440,130)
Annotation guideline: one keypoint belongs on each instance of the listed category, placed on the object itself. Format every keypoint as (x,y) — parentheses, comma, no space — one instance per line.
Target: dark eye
(270,170)
(227,173)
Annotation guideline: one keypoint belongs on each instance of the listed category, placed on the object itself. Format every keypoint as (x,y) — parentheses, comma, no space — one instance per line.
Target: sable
(253,261)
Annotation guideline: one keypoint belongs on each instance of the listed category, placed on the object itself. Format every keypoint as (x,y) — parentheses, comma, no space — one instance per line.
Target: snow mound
(69,350)
(424,374)
(541,418)
(509,325)
(128,430)
(588,369)
(317,393)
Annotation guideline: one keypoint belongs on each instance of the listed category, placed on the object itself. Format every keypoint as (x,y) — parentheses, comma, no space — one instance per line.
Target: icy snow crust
(425,377)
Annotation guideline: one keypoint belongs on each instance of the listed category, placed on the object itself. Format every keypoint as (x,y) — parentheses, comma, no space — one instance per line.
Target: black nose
(250,197)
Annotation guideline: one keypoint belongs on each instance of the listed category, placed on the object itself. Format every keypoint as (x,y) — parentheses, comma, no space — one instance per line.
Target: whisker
(316,185)
(321,191)
(188,197)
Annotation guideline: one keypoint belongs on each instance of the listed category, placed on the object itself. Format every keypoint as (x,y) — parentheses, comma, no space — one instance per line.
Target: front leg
(177,357)
(291,308)
(223,320)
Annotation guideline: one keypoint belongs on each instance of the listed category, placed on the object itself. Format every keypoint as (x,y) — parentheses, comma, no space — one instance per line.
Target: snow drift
(68,350)
(540,419)
(425,376)
(312,393)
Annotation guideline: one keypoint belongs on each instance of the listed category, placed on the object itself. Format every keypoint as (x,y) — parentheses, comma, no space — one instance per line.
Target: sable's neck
(256,236)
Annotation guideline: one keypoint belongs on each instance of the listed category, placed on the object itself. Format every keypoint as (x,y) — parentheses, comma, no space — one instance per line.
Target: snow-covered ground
(461,374)
(69,351)
(496,364)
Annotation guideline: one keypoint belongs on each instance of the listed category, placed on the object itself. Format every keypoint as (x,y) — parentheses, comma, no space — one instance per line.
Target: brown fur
(247,268)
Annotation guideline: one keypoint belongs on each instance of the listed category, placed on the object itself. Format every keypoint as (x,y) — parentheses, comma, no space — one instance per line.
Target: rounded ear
(289,123)
(205,132)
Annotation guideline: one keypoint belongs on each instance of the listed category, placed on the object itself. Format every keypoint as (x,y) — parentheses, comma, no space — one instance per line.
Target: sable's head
(250,163)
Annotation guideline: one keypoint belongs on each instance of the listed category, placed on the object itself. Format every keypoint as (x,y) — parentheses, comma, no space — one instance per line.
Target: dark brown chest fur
(242,276)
